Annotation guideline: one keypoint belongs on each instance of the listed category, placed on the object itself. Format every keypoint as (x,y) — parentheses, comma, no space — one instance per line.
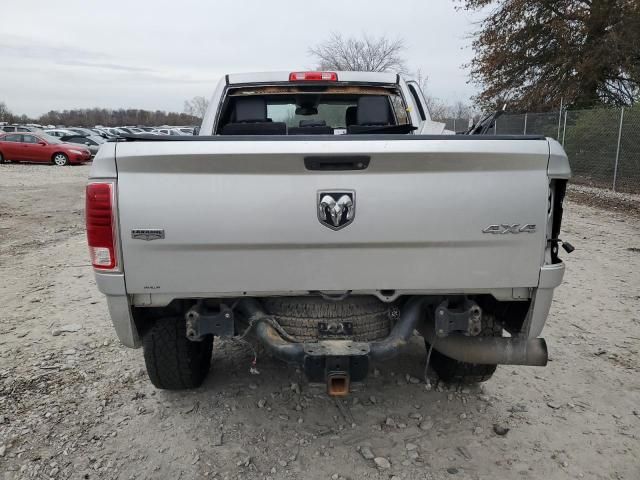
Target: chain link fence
(603,144)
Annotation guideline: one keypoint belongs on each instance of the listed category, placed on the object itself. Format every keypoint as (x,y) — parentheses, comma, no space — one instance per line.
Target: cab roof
(386,78)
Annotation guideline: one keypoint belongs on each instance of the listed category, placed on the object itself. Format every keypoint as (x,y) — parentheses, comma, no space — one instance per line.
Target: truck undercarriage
(335,339)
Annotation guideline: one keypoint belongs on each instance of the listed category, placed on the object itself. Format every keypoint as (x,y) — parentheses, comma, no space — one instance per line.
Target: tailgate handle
(330,163)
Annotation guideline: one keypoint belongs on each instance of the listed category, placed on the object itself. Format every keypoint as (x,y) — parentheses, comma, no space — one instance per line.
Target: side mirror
(42,144)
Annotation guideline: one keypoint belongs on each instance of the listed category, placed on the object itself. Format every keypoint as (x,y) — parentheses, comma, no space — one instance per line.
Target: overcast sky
(154,54)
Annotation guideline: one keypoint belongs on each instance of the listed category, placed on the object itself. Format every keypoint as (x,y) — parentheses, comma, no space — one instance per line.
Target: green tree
(533,53)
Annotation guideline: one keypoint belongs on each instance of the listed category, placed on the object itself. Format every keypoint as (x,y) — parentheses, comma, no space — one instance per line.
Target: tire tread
(173,362)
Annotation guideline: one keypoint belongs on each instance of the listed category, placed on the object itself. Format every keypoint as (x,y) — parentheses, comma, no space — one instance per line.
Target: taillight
(313,77)
(101,225)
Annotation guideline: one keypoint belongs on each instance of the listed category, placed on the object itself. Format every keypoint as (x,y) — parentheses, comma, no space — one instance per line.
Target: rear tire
(60,159)
(453,371)
(174,362)
(1,158)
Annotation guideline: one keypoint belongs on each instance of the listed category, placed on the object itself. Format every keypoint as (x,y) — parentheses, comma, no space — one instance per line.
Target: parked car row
(38,147)
(105,132)
(164,130)
(18,128)
(65,145)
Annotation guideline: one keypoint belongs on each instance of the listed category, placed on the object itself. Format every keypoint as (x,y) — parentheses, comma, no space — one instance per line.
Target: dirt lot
(75,404)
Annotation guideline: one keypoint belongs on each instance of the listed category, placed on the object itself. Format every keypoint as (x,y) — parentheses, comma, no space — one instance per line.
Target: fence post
(495,126)
(615,168)
(454,125)
(560,117)
(525,124)
(564,129)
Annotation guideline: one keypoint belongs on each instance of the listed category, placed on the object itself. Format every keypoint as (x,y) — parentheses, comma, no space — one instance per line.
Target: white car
(168,131)
(114,132)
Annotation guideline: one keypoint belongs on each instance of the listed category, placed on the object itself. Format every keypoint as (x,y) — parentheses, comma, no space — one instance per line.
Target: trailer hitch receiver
(336,362)
(338,384)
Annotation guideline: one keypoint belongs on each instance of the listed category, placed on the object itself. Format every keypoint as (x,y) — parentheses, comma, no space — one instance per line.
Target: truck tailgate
(242,216)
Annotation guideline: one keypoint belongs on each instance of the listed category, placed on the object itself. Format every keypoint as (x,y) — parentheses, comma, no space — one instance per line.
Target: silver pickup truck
(326,216)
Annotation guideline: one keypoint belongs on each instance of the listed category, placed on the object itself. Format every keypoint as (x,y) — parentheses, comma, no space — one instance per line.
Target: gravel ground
(75,404)
(607,199)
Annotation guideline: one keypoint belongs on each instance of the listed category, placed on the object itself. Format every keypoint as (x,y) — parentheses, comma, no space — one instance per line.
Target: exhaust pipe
(479,350)
(488,350)
(294,352)
(402,332)
(278,347)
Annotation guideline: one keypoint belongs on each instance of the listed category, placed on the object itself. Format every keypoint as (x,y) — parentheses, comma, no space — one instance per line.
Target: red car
(40,148)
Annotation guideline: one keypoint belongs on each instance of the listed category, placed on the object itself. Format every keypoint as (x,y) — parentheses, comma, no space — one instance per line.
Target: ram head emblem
(336,209)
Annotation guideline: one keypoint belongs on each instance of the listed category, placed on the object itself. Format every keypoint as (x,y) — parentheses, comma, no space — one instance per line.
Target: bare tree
(422,79)
(5,113)
(439,109)
(112,118)
(196,107)
(364,54)
(460,109)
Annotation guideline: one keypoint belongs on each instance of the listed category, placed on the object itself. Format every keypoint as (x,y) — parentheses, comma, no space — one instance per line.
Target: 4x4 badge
(510,228)
(336,208)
